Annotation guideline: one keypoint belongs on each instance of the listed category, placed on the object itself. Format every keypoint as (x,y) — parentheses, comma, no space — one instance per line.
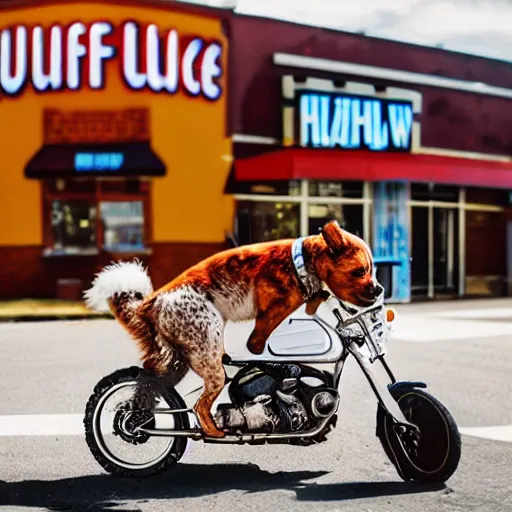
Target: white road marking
(424,328)
(42,425)
(72,425)
(478,313)
(498,433)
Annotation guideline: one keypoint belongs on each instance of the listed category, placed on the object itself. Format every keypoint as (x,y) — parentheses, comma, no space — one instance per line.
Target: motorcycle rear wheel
(435,456)
(123,419)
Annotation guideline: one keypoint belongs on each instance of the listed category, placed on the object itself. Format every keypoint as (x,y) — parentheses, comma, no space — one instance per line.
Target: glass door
(445,251)
(419,251)
(434,251)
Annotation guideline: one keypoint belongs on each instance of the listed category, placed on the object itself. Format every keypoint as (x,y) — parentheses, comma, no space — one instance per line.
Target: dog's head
(345,265)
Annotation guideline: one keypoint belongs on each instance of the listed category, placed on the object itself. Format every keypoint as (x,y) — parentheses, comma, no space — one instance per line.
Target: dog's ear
(334,237)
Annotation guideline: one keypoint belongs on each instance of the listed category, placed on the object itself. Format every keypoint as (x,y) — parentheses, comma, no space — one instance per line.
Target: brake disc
(127,425)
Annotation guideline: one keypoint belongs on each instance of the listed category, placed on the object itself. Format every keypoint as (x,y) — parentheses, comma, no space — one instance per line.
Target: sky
(478,27)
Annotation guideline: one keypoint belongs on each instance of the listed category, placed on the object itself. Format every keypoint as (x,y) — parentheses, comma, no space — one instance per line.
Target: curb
(52,317)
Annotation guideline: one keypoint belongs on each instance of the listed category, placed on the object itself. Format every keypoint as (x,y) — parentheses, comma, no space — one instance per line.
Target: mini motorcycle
(287,395)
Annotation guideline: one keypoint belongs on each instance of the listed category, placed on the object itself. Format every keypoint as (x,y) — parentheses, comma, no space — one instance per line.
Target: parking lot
(462,350)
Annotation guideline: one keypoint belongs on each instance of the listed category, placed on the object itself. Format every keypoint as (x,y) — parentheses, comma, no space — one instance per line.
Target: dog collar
(298,258)
(309,281)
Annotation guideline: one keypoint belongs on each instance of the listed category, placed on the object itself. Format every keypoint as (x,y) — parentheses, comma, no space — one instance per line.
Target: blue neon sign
(98,162)
(354,122)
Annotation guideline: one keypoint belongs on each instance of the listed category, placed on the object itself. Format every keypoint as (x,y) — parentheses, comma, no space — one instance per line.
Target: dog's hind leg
(212,372)
(204,352)
(197,328)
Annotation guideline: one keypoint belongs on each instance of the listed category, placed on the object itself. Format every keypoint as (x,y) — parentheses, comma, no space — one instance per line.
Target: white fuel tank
(300,337)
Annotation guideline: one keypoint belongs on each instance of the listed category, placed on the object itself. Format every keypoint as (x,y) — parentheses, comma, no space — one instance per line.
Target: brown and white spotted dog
(181,325)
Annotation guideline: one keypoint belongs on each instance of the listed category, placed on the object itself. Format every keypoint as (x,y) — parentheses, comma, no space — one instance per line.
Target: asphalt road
(463,350)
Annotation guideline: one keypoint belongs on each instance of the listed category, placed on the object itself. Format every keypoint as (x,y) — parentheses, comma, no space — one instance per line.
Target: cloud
(479,27)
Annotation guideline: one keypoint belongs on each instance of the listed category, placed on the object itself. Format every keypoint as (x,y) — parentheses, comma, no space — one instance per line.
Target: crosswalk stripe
(72,425)
(42,425)
(497,433)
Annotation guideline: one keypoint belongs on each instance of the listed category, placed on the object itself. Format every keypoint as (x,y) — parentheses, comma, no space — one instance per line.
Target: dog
(181,325)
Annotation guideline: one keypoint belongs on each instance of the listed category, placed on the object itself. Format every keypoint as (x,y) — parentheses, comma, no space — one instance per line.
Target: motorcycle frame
(349,347)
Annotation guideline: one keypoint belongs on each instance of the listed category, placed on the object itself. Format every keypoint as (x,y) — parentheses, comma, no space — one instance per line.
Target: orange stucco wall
(187,133)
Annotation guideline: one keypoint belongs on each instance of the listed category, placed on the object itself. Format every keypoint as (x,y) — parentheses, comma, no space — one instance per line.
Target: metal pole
(462,241)
(367,195)
(304,208)
(430,251)
(450,256)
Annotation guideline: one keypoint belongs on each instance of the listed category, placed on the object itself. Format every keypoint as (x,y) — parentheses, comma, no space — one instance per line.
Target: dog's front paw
(256,348)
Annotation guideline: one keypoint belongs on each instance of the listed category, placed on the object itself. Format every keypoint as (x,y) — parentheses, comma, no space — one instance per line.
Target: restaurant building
(407,146)
(113,141)
(165,131)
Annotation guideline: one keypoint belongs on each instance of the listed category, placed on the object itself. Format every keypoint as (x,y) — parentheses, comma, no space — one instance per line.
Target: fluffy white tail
(124,277)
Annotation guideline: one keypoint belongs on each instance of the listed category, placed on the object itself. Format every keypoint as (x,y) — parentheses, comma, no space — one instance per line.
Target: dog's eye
(359,272)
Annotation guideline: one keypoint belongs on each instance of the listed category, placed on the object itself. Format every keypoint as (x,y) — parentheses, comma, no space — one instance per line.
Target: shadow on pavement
(358,490)
(101,493)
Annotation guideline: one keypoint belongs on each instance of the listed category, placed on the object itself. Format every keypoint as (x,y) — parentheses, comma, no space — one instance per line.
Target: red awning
(305,163)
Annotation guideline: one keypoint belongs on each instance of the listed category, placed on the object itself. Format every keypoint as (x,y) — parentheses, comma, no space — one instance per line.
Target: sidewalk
(52,309)
(45,309)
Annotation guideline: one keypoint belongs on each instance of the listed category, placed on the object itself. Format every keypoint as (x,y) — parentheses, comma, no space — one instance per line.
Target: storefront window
(123,225)
(73,224)
(88,216)
(434,192)
(272,188)
(349,216)
(490,196)
(259,221)
(353,189)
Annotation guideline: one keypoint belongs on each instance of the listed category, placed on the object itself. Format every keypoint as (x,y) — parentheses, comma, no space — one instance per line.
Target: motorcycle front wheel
(111,429)
(435,454)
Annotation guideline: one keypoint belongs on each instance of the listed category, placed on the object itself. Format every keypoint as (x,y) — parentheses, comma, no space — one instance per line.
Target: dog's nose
(377,290)
(374,290)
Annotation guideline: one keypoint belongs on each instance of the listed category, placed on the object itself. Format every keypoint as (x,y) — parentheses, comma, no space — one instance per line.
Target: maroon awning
(321,164)
(112,160)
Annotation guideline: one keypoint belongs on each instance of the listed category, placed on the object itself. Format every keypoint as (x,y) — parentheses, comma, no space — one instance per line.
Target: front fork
(381,391)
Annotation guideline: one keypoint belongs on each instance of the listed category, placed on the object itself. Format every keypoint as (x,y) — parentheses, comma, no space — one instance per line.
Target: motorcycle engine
(272,398)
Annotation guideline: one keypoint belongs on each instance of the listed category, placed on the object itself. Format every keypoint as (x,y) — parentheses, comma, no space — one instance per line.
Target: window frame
(95,198)
(304,199)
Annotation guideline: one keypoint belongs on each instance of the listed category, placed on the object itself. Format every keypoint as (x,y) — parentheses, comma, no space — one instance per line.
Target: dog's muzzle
(372,293)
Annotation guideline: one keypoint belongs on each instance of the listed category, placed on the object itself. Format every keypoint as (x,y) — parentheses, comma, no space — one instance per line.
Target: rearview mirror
(384,275)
